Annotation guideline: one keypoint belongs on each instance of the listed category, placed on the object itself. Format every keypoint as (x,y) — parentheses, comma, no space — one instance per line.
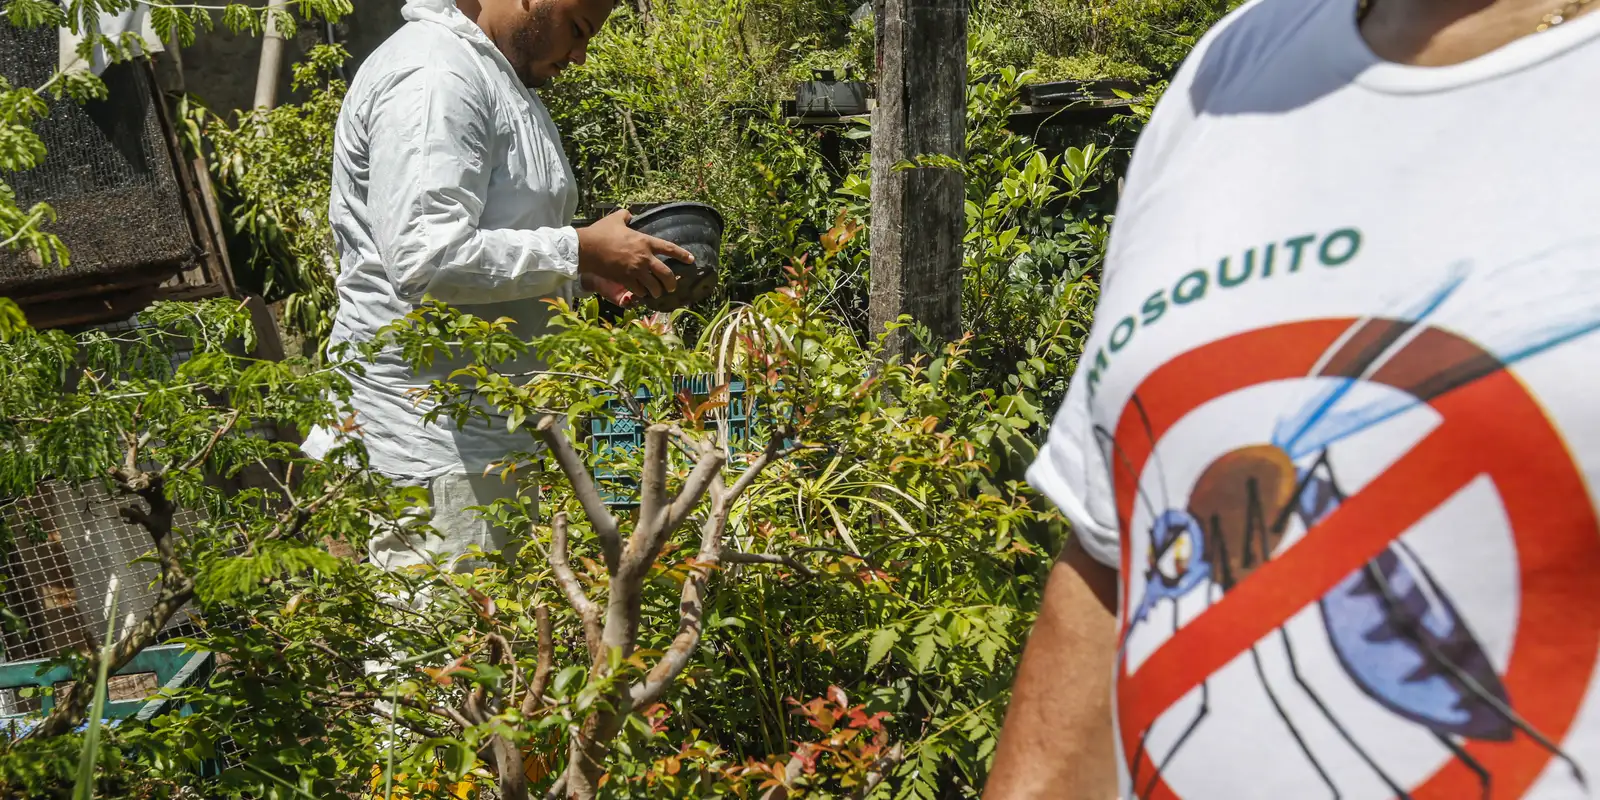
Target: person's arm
(430,163)
(1057,740)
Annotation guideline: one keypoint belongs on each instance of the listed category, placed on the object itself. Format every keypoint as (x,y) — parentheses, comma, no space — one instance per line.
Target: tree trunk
(918,214)
(272,45)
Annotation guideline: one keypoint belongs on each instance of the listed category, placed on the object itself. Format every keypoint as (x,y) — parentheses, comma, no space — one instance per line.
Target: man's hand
(610,252)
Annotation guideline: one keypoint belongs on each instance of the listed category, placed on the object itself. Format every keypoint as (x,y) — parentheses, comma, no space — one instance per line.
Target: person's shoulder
(1245,43)
(1261,40)
(419,59)
(417,48)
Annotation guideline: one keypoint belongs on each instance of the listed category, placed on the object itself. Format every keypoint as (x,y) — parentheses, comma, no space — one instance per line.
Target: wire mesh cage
(60,548)
(108,173)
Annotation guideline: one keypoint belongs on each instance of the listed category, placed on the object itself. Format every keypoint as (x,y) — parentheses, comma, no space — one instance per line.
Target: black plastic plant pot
(826,97)
(695,227)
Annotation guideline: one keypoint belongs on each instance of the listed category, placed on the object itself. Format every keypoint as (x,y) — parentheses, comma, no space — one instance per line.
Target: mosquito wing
(1513,312)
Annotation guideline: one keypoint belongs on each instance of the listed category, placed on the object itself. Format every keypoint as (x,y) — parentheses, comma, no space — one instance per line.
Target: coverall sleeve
(431,131)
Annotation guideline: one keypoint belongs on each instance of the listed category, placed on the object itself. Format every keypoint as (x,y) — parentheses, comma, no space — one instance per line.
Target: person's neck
(1436,33)
(471,8)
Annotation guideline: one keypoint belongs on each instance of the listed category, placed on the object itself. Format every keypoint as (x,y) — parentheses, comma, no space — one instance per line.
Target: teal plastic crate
(623,431)
(173,666)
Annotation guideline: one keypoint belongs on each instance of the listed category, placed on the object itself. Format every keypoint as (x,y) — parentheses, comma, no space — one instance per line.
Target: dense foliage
(831,603)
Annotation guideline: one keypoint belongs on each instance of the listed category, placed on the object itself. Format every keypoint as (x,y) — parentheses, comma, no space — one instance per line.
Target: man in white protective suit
(449,182)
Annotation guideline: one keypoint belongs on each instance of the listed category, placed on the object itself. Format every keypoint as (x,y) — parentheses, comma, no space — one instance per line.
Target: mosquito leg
(1467,680)
(1294,669)
(1465,758)
(1205,708)
(1293,731)
(1138,755)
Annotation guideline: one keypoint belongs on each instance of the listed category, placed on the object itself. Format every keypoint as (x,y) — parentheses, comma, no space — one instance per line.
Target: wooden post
(918,214)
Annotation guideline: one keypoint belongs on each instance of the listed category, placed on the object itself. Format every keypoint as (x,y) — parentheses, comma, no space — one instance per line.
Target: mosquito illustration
(1393,628)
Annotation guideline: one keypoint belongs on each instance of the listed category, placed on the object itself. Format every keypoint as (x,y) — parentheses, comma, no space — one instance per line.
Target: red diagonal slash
(1359,530)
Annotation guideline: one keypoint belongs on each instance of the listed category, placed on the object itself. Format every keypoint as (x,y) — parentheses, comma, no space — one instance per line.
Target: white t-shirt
(1338,422)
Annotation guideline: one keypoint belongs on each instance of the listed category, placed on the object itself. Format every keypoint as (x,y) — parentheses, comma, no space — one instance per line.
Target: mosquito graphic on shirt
(1394,629)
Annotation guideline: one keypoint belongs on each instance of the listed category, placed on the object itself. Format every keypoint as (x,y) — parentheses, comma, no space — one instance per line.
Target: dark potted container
(695,227)
(1064,92)
(824,96)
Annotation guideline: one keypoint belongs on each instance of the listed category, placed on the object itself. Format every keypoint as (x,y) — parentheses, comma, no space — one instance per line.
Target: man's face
(548,35)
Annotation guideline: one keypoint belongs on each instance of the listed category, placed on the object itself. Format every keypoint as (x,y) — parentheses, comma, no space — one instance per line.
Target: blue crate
(623,431)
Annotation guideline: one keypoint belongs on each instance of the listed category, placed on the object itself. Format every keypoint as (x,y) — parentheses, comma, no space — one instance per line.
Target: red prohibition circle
(1490,427)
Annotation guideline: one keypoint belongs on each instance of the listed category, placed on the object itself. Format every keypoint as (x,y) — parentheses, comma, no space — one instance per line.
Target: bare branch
(503,752)
(652,491)
(177,588)
(691,607)
(774,451)
(879,771)
(547,657)
(558,790)
(706,471)
(780,559)
(216,436)
(500,652)
(791,773)
(577,472)
(570,586)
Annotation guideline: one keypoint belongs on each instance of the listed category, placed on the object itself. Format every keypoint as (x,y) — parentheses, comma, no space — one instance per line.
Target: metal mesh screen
(65,545)
(108,172)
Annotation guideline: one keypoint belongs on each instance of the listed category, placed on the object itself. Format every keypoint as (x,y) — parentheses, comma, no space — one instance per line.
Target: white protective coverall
(448,180)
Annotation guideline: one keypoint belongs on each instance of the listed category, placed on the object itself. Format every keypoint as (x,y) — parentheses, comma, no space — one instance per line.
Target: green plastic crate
(173,666)
(625,432)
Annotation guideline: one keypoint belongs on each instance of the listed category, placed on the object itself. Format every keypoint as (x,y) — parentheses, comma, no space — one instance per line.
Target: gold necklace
(1561,15)
(1565,12)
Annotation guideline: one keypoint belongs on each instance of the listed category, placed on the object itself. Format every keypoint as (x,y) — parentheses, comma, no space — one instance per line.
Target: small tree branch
(499,653)
(507,758)
(775,451)
(652,492)
(780,559)
(656,522)
(558,790)
(707,470)
(547,657)
(580,602)
(791,773)
(205,452)
(879,772)
(577,472)
(691,607)
(177,588)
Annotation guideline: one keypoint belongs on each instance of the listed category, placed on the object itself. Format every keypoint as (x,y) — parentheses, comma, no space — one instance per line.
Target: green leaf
(922,657)
(12,320)
(988,649)
(882,641)
(563,683)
